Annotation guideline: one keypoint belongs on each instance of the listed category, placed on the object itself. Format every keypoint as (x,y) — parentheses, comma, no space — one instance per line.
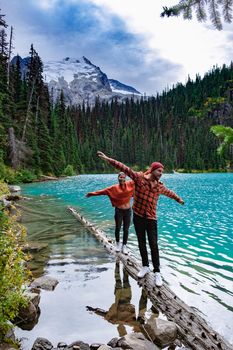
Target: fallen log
(192,328)
(46,178)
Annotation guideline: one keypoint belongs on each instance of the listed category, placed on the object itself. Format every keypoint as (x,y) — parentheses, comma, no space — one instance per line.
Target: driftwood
(46,178)
(193,329)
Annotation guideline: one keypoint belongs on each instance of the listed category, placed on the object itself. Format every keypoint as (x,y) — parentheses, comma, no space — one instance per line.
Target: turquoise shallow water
(196,240)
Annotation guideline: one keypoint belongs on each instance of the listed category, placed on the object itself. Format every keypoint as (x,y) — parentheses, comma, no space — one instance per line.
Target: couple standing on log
(146,189)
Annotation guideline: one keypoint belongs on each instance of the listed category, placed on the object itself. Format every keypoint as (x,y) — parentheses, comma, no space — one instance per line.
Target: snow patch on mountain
(116,86)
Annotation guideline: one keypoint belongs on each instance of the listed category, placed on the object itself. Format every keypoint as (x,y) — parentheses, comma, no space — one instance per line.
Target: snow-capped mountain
(80,80)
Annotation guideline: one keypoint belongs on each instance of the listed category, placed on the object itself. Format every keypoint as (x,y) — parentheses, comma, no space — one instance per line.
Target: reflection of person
(122,312)
(153,311)
(119,196)
(147,191)
(142,306)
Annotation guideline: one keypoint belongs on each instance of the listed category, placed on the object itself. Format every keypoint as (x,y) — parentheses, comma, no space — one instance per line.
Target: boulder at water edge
(44,282)
(136,341)
(161,332)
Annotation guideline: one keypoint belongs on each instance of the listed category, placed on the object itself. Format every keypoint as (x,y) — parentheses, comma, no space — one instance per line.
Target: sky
(127,39)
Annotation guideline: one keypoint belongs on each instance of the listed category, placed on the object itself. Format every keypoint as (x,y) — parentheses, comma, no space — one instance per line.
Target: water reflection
(122,312)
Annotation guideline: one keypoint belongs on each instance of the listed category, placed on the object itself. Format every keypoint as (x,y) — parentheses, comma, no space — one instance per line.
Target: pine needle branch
(227,10)
(214,14)
(201,8)
(200,11)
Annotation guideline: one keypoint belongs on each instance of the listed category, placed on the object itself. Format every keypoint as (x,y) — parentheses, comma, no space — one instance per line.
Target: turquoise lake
(196,249)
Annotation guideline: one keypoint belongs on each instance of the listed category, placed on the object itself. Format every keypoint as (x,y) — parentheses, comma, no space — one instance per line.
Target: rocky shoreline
(161,333)
(136,341)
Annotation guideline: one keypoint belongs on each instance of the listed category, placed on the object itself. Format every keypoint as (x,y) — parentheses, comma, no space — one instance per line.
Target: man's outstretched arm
(171,194)
(118,165)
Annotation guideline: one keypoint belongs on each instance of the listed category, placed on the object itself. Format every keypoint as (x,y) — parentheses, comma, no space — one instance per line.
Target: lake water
(196,248)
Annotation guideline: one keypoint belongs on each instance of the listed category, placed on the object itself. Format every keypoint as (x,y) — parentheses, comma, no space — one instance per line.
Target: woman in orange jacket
(119,195)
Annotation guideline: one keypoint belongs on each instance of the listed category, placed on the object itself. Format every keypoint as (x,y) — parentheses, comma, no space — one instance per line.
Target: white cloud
(194,45)
(46,4)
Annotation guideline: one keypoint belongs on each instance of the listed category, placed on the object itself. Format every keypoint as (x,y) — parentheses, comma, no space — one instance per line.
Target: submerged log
(192,328)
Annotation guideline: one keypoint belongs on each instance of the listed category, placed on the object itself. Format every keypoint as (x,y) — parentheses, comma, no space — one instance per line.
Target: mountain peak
(81,81)
(73,60)
(86,60)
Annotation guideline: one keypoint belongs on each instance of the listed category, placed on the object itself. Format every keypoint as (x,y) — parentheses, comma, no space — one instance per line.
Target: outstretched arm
(120,166)
(97,193)
(164,190)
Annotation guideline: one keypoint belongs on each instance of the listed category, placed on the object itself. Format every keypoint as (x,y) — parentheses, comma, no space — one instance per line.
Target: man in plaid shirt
(147,191)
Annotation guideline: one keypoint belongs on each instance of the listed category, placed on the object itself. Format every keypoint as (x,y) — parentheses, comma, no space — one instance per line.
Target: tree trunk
(9,57)
(28,111)
(13,149)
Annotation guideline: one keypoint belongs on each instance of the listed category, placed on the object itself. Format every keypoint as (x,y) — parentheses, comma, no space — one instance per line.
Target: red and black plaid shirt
(145,196)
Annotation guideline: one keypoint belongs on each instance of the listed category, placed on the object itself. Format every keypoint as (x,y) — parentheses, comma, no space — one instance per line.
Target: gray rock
(162,332)
(28,313)
(61,345)
(104,347)
(33,297)
(14,188)
(113,342)
(6,203)
(44,282)
(78,345)
(122,342)
(95,346)
(136,341)
(42,344)
(13,197)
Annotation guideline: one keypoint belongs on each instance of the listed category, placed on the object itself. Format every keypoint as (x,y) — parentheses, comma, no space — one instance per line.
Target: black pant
(149,226)
(125,216)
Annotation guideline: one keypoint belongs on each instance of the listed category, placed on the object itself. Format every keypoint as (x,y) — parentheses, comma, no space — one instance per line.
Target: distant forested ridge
(38,136)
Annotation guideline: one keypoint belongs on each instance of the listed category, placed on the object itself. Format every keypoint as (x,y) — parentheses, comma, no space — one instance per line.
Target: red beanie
(156,165)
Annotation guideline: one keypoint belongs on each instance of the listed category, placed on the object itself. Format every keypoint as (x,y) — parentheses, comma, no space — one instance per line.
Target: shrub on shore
(13,271)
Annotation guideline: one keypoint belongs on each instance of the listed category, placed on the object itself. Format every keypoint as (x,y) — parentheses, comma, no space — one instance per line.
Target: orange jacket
(118,195)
